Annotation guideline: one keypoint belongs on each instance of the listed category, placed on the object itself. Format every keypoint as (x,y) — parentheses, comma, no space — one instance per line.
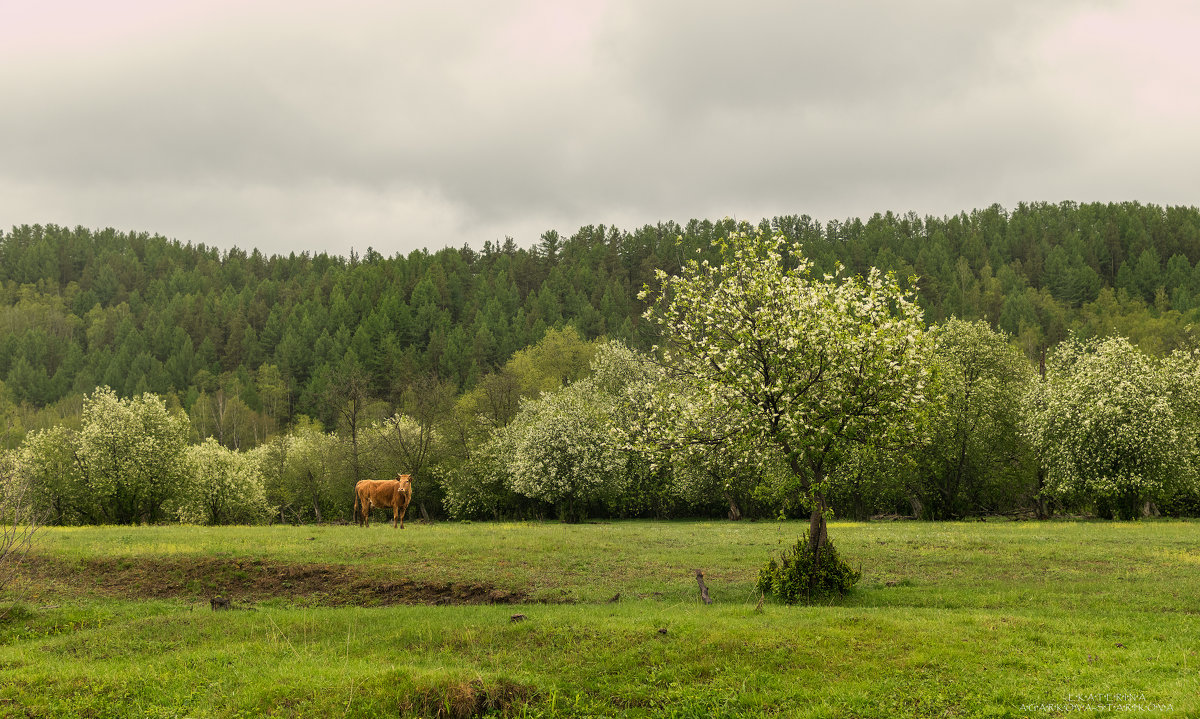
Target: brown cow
(395,493)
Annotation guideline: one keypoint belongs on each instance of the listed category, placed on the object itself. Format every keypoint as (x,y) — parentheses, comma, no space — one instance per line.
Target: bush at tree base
(800,578)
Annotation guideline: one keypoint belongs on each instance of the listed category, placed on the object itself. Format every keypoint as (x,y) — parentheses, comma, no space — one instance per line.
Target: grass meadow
(981,619)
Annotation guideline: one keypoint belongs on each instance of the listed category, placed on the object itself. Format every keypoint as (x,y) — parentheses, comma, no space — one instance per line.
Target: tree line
(252,349)
(775,393)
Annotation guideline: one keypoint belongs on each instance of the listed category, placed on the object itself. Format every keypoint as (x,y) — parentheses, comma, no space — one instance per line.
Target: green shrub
(800,578)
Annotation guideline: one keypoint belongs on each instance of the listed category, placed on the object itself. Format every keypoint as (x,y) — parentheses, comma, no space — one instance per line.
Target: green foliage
(558,359)
(802,575)
(478,488)
(975,460)
(529,414)
(872,481)
(58,490)
(80,307)
(123,465)
(307,479)
(246,342)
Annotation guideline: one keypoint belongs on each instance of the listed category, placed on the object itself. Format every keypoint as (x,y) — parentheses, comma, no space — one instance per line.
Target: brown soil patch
(251,580)
(469,699)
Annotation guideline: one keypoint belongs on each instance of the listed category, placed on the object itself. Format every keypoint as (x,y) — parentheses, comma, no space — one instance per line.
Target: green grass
(964,619)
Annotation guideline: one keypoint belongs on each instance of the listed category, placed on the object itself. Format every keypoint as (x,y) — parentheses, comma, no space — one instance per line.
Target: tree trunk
(817,534)
(915,503)
(1043,511)
(817,537)
(317,509)
(735,513)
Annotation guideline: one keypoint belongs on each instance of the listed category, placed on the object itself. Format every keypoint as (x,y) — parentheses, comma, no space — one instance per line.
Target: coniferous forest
(434,351)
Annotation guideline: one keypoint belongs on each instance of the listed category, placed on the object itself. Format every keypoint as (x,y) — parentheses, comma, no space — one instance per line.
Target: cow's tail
(356,515)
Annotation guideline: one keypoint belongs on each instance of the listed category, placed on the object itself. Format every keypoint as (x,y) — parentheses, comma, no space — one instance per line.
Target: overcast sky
(292,125)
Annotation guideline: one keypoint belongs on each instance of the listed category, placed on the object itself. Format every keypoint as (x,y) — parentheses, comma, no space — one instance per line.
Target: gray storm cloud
(298,127)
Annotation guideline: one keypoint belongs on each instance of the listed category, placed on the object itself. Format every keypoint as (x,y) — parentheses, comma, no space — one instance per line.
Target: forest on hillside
(138,312)
(251,347)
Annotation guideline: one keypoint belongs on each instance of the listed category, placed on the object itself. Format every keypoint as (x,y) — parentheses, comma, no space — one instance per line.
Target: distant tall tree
(974,460)
(348,396)
(272,392)
(225,415)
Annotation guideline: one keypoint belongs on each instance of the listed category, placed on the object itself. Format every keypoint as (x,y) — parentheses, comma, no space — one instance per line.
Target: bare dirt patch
(251,580)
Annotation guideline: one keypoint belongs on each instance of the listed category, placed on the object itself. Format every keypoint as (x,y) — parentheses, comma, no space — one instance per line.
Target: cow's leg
(403,512)
(357,516)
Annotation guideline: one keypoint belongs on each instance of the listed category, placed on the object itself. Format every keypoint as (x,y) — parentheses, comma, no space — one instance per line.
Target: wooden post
(703,589)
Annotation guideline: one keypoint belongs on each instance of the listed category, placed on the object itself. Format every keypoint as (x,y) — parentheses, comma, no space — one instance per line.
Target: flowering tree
(1109,425)
(56,488)
(767,354)
(561,451)
(544,407)
(479,487)
(653,410)
(131,454)
(223,486)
